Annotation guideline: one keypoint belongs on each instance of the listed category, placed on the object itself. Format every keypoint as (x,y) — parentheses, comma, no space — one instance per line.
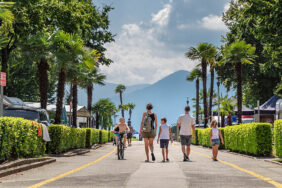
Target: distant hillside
(168,96)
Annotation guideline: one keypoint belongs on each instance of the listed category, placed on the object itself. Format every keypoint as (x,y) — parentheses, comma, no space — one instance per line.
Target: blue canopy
(269,106)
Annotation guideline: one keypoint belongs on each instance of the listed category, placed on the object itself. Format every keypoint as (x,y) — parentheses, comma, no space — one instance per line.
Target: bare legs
(165,153)
(146,142)
(149,143)
(215,152)
(187,152)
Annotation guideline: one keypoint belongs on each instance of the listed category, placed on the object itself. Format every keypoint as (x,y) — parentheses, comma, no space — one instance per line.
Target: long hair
(213,124)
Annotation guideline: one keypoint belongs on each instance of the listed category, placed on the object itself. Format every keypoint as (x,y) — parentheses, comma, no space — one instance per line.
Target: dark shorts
(164,143)
(215,142)
(150,134)
(186,140)
(129,135)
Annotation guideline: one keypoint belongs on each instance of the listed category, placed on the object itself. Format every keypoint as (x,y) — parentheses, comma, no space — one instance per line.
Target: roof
(50,107)
(269,105)
(244,109)
(81,111)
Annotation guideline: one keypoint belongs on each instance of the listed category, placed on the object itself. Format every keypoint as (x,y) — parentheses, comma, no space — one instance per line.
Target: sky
(153,35)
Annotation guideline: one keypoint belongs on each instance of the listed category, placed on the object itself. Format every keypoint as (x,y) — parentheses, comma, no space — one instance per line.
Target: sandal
(146,161)
(163,161)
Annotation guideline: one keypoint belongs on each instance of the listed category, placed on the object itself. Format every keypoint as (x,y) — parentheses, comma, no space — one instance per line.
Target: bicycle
(120,146)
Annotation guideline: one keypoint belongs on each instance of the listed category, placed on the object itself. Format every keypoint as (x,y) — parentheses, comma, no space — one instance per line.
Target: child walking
(215,142)
(164,136)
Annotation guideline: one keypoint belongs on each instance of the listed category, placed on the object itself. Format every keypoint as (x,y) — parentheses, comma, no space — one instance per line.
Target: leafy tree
(236,54)
(6,22)
(205,53)
(120,90)
(257,23)
(196,75)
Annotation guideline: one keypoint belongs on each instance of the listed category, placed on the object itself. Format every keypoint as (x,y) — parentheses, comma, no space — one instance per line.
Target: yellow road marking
(70,172)
(268,180)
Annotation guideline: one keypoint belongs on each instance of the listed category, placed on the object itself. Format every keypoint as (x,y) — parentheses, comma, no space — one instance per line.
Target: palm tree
(227,109)
(212,68)
(68,50)
(238,53)
(120,89)
(103,109)
(131,106)
(196,74)
(205,53)
(123,107)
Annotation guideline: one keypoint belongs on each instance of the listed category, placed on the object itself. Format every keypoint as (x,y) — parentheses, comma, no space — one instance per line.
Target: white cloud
(140,57)
(226,7)
(213,22)
(162,17)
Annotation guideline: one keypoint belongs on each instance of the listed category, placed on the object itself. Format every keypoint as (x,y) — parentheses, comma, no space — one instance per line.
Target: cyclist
(122,129)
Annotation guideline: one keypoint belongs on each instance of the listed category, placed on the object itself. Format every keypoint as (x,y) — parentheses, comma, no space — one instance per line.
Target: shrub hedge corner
(249,138)
(278,137)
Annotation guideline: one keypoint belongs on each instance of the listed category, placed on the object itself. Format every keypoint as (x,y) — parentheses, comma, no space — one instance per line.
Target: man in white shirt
(186,124)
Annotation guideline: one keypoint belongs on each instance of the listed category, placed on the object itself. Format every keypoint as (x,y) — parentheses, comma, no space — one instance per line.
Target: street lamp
(218,99)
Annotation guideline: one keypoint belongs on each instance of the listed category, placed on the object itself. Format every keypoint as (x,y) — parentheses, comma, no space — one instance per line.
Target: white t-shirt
(186,122)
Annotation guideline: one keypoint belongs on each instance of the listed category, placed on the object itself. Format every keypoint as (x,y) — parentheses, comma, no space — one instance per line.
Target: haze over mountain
(168,97)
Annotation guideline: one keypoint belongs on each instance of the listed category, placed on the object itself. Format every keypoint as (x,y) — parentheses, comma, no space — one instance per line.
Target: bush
(19,138)
(103,136)
(92,137)
(64,138)
(203,137)
(278,137)
(249,138)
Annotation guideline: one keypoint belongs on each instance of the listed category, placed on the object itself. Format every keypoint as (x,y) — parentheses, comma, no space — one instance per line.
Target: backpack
(147,123)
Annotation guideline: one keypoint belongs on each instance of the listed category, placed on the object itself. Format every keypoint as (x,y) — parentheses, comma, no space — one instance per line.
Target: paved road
(100,168)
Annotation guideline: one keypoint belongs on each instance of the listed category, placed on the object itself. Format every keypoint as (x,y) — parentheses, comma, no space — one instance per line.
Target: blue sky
(153,35)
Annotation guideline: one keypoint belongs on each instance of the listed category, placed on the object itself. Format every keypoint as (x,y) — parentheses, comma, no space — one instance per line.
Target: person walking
(214,139)
(164,136)
(186,124)
(148,130)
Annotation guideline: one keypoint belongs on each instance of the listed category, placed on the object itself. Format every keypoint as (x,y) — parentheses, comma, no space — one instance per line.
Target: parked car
(39,115)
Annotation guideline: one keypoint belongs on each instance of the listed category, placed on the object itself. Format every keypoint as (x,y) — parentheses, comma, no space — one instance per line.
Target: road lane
(134,172)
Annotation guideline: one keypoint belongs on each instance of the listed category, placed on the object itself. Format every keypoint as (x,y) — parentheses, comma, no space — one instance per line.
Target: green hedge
(18,138)
(249,138)
(278,137)
(103,136)
(203,137)
(92,137)
(64,138)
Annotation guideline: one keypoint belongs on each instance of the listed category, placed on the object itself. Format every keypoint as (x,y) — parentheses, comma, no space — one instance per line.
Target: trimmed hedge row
(92,137)
(249,138)
(203,137)
(65,138)
(19,138)
(278,137)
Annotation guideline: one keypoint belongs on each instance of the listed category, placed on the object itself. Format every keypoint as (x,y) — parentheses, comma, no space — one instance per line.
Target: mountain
(106,91)
(168,96)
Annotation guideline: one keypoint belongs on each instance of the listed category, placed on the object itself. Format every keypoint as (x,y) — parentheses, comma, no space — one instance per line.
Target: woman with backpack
(148,130)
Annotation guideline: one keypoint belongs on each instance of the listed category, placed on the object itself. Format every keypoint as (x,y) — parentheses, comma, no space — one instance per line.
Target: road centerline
(268,180)
(71,171)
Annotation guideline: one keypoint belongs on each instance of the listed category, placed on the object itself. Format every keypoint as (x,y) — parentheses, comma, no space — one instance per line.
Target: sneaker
(167,160)
(163,161)
(153,157)
(184,160)
(185,156)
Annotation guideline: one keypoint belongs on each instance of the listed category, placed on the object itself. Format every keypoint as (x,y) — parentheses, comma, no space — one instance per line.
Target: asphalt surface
(94,169)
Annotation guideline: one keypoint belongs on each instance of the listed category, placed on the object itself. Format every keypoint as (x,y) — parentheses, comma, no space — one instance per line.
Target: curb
(71,153)
(273,162)
(24,165)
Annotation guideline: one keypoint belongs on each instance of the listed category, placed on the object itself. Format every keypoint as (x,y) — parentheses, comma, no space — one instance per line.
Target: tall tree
(68,50)
(131,106)
(196,75)
(103,110)
(204,52)
(236,54)
(120,90)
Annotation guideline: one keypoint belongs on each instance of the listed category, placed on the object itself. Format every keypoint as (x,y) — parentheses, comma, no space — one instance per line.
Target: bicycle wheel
(118,150)
(122,152)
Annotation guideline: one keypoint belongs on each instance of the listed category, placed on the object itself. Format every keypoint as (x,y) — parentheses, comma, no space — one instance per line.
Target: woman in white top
(215,142)
(164,136)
